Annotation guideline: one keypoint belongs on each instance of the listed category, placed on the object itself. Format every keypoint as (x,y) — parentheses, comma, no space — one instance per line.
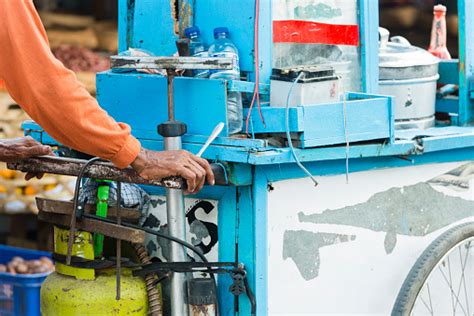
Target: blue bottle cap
(190,30)
(219,30)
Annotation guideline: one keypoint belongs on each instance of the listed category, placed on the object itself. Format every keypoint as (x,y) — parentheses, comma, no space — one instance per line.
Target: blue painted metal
(449,71)
(278,172)
(369,117)
(141,101)
(265,41)
(248,87)
(123,24)
(466,59)
(448,104)
(402,146)
(150,26)
(369,48)
(246,239)
(227,232)
(259,194)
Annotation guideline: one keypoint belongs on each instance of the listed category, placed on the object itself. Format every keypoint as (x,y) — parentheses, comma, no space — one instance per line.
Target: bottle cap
(439,8)
(190,30)
(219,30)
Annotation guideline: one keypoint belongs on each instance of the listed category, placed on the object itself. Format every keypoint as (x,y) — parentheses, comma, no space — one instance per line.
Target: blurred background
(412,19)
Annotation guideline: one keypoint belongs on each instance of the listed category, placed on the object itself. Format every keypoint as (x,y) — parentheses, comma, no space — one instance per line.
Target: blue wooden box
(368,117)
(141,101)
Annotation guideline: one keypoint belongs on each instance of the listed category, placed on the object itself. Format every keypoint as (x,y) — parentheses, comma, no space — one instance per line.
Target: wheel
(442,280)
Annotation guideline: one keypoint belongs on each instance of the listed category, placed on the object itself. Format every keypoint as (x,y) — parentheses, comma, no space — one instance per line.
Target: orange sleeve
(51,94)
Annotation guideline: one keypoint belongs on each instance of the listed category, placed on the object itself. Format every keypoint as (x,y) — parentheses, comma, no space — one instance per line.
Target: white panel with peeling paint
(347,248)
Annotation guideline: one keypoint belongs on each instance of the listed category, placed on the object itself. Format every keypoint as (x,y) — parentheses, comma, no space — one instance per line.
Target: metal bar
(170,74)
(369,50)
(100,170)
(177,228)
(95,226)
(466,59)
(152,62)
(66,208)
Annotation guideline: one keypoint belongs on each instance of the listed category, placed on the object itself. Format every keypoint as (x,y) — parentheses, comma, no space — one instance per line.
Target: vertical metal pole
(177,228)
(466,60)
(172,131)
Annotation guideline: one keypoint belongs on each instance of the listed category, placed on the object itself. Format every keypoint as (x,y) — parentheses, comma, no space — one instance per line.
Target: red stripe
(307,32)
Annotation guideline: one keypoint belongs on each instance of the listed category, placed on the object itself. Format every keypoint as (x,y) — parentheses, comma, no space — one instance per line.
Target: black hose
(147,230)
(75,207)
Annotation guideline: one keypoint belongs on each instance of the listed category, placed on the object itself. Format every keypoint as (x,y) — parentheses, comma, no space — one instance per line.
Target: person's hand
(16,149)
(158,165)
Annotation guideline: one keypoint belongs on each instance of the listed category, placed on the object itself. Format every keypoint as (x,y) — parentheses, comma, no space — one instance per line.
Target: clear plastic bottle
(223,47)
(197,49)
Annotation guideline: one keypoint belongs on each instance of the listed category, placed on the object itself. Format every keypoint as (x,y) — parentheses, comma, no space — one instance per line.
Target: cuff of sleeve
(127,153)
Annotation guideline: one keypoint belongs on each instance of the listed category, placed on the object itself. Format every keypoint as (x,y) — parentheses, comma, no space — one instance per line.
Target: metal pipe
(170,74)
(177,228)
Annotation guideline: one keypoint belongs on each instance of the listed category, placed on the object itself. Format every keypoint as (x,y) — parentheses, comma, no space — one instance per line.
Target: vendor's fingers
(190,178)
(36,150)
(207,167)
(201,173)
(31,175)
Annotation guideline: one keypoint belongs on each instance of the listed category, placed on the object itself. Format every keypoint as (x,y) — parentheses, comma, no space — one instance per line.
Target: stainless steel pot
(409,74)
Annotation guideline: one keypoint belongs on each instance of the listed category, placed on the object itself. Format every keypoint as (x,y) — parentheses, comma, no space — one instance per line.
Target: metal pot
(409,74)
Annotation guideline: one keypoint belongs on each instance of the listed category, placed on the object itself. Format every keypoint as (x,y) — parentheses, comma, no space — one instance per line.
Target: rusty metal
(170,74)
(96,226)
(66,208)
(100,170)
(154,299)
(152,62)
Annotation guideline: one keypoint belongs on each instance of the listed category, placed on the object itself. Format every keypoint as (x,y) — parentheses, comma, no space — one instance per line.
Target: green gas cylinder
(66,295)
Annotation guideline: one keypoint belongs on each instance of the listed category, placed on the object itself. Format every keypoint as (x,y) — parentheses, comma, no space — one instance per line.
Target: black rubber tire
(426,263)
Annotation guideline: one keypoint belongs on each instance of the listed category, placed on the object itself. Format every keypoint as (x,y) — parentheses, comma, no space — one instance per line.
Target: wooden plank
(94,226)
(99,170)
(67,208)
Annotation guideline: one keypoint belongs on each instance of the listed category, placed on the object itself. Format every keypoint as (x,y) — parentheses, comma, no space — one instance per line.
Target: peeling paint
(459,179)
(317,11)
(303,248)
(414,210)
(199,230)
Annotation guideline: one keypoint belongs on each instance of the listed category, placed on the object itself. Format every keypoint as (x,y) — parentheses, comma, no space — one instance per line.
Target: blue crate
(20,294)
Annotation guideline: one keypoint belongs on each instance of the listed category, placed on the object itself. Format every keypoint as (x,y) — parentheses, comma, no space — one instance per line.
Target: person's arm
(15,149)
(54,98)
(51,94)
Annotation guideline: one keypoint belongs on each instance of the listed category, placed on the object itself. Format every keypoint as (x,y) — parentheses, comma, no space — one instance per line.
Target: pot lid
(399,53)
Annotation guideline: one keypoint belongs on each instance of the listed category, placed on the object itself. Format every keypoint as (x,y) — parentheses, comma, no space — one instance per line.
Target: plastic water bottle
(223,47)
(196,47)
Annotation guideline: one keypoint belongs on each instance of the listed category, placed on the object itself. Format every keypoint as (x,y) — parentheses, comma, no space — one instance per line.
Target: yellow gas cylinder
(75,291)
(66,295)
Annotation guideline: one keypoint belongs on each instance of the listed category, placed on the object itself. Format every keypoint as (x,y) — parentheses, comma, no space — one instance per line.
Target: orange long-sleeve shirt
(51,94)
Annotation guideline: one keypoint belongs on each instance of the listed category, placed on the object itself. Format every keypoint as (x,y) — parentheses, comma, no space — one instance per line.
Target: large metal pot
(409,74)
